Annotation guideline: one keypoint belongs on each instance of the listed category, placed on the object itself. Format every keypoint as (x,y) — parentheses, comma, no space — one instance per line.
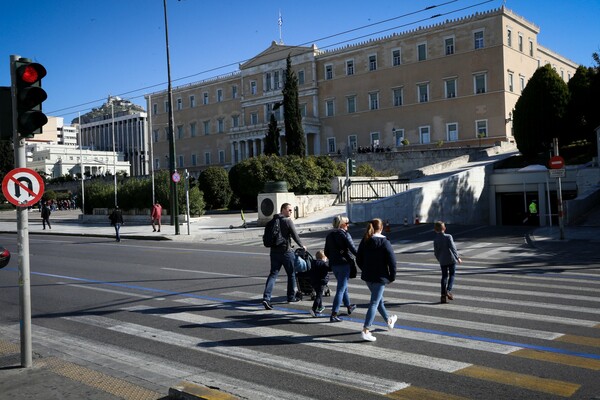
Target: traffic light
(351,167)
(29,96)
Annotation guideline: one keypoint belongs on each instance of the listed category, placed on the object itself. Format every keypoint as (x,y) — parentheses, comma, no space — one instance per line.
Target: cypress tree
(294,134)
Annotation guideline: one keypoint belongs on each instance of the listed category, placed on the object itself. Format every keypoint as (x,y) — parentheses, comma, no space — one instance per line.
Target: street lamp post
(173,201)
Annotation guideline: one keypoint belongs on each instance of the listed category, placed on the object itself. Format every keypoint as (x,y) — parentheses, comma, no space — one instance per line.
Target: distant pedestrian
(156,216)
(447,255)
(377,262)
(46,212)
(340,250)
(116,220)
(319,277)
(283,255)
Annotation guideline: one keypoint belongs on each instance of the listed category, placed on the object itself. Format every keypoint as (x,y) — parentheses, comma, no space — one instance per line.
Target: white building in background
(56,132)
(54,160)
(124,122)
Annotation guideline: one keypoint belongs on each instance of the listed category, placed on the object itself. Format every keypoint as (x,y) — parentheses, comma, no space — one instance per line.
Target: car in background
(4,257)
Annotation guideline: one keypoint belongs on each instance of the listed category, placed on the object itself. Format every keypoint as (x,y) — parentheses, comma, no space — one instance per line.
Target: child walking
(447,255)
(319,277)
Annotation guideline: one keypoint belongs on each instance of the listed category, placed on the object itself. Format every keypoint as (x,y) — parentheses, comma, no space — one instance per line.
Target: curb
(192,391)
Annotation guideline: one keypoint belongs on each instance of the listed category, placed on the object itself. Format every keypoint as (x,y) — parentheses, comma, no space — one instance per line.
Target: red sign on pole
(556,162)
(23,187)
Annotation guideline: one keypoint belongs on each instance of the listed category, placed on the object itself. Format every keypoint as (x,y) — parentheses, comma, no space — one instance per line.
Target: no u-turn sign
(23,187)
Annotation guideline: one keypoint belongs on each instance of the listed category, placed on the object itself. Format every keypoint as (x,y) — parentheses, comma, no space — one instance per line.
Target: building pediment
(276,52)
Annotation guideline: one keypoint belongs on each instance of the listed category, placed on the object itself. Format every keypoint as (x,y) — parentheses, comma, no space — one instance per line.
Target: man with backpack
(279,233)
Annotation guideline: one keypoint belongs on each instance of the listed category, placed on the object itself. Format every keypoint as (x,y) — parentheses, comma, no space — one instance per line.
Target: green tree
(272,138)
(294,133)
(539,112)
(7,161)
(579,109)
(214,183)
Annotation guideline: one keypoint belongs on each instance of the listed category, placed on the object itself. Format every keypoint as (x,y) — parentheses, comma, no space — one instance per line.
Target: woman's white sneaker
(367,336)
(391,322)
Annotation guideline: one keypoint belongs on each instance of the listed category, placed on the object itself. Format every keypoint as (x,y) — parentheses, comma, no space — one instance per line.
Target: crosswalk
(506,335)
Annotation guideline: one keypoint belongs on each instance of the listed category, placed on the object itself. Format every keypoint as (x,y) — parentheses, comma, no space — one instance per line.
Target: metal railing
(362,189)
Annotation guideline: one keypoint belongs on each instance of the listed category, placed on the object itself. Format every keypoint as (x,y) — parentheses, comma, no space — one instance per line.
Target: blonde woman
(377,262)
(338,246)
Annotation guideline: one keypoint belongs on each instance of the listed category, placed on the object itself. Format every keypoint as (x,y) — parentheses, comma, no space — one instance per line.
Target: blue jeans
(447,277)
(376,303)
(277,260)
(342,274)
(117,235)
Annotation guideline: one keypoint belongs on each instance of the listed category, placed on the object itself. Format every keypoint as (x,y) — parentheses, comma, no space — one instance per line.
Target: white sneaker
(391,322)
(367,336)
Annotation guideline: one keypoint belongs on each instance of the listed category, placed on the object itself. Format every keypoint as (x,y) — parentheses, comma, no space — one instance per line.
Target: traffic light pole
(22,234)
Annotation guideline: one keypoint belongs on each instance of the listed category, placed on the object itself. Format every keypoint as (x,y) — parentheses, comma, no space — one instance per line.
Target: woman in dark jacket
(377,261)
(338,246)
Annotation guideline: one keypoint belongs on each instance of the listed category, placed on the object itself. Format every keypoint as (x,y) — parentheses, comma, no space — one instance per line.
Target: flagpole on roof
(280,23)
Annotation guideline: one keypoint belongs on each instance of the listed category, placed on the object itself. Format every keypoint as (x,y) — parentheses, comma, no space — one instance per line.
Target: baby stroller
(303,275)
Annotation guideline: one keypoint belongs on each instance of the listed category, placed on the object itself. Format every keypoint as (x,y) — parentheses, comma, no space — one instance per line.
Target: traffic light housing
(29,97)
(351,167)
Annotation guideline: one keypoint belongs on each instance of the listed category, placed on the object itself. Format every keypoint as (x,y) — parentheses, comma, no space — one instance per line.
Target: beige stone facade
(453,84)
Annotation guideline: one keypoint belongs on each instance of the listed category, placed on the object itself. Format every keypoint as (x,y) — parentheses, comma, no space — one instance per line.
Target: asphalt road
(524,324)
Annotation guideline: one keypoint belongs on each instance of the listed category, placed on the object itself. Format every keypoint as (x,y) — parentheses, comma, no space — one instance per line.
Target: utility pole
(561,221)
(172,164)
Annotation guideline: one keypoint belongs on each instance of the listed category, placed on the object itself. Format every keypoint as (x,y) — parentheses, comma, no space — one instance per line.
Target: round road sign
(556,162)
(23,187)
(176,177)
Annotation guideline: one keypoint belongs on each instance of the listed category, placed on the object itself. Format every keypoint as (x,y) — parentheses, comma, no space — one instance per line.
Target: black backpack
(272,236)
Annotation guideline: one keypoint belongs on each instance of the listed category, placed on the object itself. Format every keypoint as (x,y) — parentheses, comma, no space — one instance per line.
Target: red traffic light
(30,73)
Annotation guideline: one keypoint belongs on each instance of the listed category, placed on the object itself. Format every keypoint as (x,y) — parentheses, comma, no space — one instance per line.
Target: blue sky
(95,48)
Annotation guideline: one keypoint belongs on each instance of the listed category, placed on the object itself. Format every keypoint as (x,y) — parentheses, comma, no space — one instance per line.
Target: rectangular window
(423,92)
(221,157)
(180,161)
(156,163)
(268,83)
(276,80)
(206,126)
(350,67)
(179,131)
(520,43)
(179,104)
(422,52)
(301,77)
(510,82)
(373,101)
(372,63)
(397,94)
(480,83)
(530,48)
(328,72)
(234,92)
(155,135)
(302,111)
(235,121)
(194,160)
(452,132)
(252,87)
(154,108)
(396,60)
(220,125)
(207,158)
(375,139)
(351,104)
(253,118)
(219,95)
(205,98)
(193,129)
(398,136)
(478,40)
(449,45)
(352,142)
(522,83)
(424,134)
(509,38)
(450,85)
(331,145)
(192,101)
(166,106)
(329,108)
(481,127)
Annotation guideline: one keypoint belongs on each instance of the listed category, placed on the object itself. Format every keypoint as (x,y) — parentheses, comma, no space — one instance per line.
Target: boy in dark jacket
(319,277)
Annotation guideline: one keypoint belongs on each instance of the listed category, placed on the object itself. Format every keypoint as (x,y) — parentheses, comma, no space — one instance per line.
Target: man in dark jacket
(283,255)
(46,215)
(116,220)
(447,255)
